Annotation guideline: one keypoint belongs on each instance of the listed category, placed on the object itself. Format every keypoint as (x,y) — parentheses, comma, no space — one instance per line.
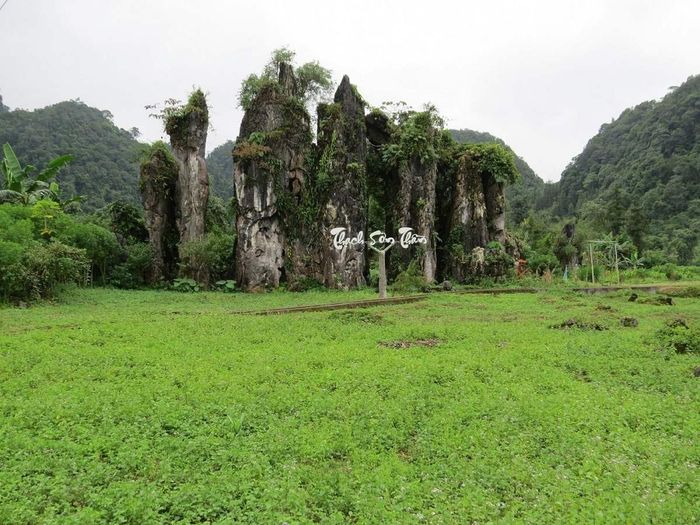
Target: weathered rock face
(158,177)
(495,208)
(415,208)
(467,224)
(188,137)
(342,142)
(269,175)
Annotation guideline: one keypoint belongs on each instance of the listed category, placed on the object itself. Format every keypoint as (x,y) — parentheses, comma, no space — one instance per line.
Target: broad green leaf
(53,167)
(12,164)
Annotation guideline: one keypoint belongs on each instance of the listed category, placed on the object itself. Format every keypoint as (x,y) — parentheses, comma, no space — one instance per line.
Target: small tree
(313,80)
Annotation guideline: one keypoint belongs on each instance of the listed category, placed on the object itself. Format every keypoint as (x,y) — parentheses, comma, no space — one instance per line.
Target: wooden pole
(590,253)
(617,265)
(382,275)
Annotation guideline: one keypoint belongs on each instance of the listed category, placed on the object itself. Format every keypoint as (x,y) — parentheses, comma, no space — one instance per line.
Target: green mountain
(220,169)
(106,158)
(105,165)
(520,197)
(640,175)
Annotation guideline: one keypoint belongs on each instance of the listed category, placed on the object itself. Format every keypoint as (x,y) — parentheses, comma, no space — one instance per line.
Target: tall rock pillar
(188,136)
(342,142)
(269,172)
(467,224)
(157,181)
(414,207)
(495,208)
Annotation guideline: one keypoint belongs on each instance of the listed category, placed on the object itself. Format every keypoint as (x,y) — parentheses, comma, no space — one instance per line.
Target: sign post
(381,243)
(382,267)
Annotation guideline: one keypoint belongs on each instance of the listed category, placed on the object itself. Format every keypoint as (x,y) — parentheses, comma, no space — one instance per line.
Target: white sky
(541,75)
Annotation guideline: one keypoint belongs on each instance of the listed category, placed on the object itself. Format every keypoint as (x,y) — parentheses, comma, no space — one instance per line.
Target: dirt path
(653,288)
(337,306)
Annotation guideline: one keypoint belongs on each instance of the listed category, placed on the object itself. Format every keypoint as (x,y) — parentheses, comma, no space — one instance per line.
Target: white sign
(378,240)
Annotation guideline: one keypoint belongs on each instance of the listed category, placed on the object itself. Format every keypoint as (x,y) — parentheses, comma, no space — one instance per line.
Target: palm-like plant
(20,187)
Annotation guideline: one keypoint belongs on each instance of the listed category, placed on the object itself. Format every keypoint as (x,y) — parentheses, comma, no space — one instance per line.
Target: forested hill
(520,197)
(642,172)
(105,165)
(106,158)
(220,169)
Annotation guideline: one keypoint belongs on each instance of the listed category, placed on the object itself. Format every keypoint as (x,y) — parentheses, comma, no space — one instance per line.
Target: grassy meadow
(162,407)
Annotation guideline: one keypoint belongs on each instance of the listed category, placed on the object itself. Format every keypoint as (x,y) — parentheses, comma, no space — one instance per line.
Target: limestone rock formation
(342,142)
(158,178)
(467,221)
(475,217)
(495,208)
(188,136)
(269,175)
(414,207)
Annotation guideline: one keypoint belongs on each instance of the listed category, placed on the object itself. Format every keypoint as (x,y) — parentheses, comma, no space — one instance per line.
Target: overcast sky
(543,76)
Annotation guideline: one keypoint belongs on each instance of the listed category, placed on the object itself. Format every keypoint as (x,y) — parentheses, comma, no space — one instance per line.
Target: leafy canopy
(314,81)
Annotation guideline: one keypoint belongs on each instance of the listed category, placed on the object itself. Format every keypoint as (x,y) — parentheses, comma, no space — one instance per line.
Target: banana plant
(20,187)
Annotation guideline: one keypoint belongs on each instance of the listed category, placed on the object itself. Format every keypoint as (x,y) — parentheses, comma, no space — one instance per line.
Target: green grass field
(159,407)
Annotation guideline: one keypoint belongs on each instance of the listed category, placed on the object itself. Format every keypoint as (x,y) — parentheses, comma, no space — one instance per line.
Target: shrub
(304,284)
(690,291)
(125,220)
(185,285)
(541,262)
(671,272)
(584,272)
(100,245)
(226,286)
(208,259)
(133,272)
(410,280)
(678,337)
(37,270)
(497,263)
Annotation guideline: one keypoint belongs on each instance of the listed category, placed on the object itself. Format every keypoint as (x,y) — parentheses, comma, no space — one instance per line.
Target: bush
(678,337)
(226,286)
(134,271)
(209,259)
(539,263)
(671,272)
(584,273)
(690,291)
(498,264)
(100,245)
(31,268)
(185,285)
(35,271)
(125,220)
(410,280)
(304,284)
